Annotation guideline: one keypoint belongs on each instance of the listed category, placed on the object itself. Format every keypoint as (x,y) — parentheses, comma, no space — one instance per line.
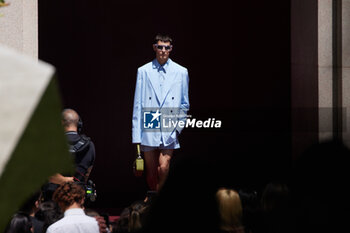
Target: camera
(90,190)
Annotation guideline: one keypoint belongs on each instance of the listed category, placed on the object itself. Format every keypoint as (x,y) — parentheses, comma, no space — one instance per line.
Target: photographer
(81,147)
(83,151)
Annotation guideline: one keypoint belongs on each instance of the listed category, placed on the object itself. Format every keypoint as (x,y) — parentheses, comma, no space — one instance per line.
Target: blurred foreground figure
(20,223)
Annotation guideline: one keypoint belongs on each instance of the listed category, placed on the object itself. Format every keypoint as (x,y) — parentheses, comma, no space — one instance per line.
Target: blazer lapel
(169,80)
(154,79)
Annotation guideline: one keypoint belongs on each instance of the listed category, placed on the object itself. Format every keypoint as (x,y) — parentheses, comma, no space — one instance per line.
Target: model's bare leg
(152,163)
(164,162)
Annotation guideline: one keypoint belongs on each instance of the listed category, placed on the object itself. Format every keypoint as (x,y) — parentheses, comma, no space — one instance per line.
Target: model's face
(162,50)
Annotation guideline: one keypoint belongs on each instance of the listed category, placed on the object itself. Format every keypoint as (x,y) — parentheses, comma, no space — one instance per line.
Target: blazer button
(150,97)
(172,97)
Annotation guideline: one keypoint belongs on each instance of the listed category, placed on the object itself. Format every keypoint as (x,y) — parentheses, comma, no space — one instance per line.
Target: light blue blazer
(172,97)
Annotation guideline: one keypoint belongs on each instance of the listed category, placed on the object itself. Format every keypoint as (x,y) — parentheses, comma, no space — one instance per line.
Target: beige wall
(19,26)
(325,69)
(346,70)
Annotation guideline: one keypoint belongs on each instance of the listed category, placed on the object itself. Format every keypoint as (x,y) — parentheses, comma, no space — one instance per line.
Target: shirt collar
(163,67)
(74,211)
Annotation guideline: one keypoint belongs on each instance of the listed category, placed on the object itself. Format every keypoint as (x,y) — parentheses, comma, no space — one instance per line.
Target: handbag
(138,165)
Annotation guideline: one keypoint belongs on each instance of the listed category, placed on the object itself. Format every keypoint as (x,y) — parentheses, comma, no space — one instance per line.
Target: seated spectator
(103,222)
(275,197)
(122,224)
(275,208)
(252,219)
(49,213)
(132,218)
(20,223)
(230,211)
(70,198)
(138,212)
(31,207)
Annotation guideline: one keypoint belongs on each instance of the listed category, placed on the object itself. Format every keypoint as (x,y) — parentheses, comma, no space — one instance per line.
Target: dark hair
(68,193)
(162,37)
(49,213)
(132,218)
(122,224)
(138,212)
(275,196)
(28,206)
(20,223)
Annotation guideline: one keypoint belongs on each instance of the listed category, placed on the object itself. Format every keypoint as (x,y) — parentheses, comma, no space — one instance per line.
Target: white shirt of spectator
(74,221)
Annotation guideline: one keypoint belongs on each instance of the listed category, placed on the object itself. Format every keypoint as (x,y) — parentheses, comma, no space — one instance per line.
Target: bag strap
(80,145)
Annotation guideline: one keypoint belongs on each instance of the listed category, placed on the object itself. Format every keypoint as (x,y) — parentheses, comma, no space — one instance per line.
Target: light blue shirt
(162,75)
(160,87)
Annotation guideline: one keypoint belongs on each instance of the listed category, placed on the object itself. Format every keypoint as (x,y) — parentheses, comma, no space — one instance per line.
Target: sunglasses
(166,47)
